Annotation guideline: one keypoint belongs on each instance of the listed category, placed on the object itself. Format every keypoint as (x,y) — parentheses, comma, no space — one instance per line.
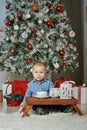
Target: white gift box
(77,93)
(80,93)
(7,89)
(83,95)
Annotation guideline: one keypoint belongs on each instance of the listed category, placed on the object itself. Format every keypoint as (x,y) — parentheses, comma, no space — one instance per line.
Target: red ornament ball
(33,30)
(67,33)
(9,23)
(59,8)
(8,6)
(28,61)
(62,20)
(49,23)
(19,15)
(49,5)
(29,46)
(35,7)
(62,52)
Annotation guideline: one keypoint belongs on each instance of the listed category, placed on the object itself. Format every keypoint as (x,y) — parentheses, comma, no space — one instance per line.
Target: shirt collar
(44,80)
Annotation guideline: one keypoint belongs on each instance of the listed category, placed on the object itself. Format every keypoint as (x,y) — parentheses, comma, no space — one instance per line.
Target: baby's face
(39,73)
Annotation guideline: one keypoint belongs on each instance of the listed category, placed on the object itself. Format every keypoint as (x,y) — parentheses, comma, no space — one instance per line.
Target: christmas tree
(38,30)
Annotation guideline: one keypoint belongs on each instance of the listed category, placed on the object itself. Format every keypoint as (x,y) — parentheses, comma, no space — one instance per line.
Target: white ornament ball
(24,35)
(40,21)
(56,65)
(31,70)
(13,69)
(65,13)
(62,35)
(45,45)
(72,34)
(42,31)
(75,49)
(12,38)
(7,39)
(45,10)
(16,27)
(28,16)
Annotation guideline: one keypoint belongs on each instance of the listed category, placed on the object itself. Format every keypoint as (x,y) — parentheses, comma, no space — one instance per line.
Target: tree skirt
(52,121)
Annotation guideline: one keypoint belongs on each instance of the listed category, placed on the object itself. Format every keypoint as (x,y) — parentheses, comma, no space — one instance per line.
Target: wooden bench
(54,101)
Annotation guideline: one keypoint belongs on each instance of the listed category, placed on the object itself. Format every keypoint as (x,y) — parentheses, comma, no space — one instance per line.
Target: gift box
(80,93)
(77,93)
(4,87)
(18,86)
(83,95)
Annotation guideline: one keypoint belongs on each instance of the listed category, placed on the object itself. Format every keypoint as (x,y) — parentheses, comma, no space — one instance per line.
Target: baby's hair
(39,64)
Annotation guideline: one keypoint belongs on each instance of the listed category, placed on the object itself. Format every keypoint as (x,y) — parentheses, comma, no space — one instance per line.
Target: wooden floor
(5,108)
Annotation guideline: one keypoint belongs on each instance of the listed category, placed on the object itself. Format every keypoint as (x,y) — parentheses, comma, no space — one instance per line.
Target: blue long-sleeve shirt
(34,87)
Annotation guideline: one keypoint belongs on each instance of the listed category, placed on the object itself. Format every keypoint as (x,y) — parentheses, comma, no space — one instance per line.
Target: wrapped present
(4,86)
(59,81)
(77,93)
(16,87)
(80,93)
(84,94)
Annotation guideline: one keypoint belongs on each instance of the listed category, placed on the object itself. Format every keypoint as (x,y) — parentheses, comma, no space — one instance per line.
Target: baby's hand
(22,110)
(21,107)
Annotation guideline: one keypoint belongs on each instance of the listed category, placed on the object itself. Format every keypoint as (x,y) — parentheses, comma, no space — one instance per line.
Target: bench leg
(77,110)
(26,109)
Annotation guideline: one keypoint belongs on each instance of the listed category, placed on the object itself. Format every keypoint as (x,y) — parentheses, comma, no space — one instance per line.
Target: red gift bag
(20,86)
(57,82)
